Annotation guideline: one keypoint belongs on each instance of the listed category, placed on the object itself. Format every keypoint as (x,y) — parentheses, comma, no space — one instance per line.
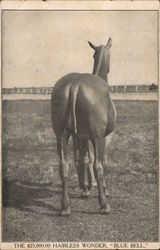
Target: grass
(32,187)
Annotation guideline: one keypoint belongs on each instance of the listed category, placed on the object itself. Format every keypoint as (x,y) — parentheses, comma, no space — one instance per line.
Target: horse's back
(93,104)
(88,82)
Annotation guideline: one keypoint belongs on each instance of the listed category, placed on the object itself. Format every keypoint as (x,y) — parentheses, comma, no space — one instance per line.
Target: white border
(83,5)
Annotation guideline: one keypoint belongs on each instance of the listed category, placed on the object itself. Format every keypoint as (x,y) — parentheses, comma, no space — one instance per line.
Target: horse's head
(101,59)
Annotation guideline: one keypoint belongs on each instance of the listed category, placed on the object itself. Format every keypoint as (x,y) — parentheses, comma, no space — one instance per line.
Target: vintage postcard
(79,124)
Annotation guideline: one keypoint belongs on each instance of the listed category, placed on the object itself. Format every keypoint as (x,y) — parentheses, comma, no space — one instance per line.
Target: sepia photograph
(80,139)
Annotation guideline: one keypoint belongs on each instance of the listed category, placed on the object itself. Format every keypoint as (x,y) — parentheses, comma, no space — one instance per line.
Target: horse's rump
(80,104)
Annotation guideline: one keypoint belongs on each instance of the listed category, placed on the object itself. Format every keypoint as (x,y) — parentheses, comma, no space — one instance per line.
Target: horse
(81,107)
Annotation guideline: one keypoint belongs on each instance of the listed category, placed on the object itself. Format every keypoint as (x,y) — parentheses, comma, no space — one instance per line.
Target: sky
(39,47)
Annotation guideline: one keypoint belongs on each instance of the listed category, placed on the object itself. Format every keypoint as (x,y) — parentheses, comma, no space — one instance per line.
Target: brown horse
(81,107)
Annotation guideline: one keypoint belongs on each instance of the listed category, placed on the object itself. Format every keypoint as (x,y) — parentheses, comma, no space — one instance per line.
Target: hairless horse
(81,107)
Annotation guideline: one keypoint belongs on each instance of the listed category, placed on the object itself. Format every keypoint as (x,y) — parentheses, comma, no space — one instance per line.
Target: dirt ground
(32,187)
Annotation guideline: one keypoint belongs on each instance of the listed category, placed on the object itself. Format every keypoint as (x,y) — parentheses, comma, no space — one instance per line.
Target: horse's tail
(72,104)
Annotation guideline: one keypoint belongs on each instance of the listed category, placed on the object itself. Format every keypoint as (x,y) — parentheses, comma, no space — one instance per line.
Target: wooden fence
(113,89)
(135,92)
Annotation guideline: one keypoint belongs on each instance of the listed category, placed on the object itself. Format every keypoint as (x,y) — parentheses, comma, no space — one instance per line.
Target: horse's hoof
(106,210)
(85,193)
(65,212)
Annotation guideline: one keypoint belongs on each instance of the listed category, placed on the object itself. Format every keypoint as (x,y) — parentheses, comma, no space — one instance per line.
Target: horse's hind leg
(93,182)
(99,146)
(63,170)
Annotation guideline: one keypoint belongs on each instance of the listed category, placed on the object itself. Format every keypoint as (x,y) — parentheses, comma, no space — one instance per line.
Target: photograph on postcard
(79,126)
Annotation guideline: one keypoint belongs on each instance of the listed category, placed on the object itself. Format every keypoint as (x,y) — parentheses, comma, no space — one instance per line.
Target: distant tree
(153,86)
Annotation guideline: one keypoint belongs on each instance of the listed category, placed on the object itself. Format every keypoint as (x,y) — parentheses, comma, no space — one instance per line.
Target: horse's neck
(101,70)
(102,74)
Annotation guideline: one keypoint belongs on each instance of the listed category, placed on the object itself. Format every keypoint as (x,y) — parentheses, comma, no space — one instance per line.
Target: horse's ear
(109,44)
(91,45)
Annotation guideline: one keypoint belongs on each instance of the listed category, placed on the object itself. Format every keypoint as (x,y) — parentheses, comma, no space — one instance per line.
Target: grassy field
(32,187)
